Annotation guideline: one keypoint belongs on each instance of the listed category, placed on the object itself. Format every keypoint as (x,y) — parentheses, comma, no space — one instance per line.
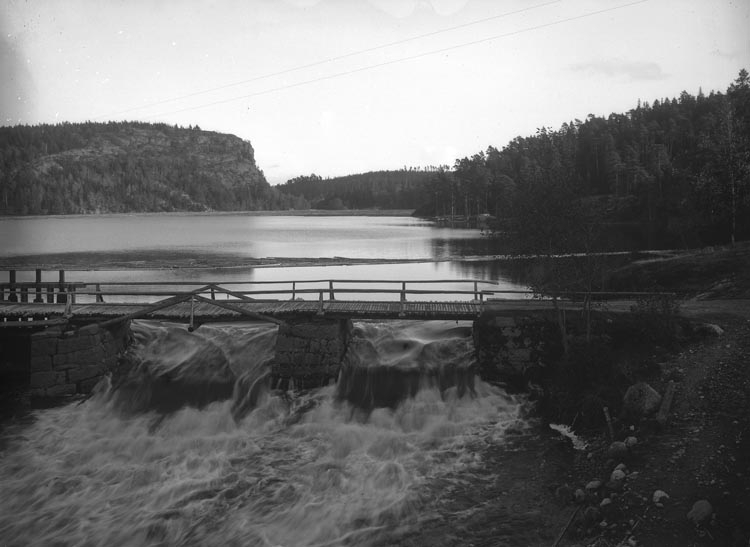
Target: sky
(335,87)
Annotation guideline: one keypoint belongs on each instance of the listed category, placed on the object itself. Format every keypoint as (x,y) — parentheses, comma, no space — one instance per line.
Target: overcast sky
(344,86)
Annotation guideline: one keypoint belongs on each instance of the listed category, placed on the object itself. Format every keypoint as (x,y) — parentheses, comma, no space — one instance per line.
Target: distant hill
(129,167)
(399,189)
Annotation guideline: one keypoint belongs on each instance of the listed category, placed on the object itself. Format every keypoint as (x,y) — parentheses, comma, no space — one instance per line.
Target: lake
(230,247)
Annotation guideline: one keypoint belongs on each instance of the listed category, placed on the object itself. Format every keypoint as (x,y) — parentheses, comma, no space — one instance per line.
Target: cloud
(613,68)
(724,54)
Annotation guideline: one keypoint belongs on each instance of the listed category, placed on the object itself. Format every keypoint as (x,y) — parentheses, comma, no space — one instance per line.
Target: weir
(65,345)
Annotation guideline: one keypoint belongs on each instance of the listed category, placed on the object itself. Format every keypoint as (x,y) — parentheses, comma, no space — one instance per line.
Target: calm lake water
(242,236)
(164,245)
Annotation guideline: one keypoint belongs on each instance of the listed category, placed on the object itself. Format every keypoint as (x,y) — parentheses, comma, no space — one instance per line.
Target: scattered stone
(614,486)
(701,512)
(621,467)
(579,496)
(630,442)
(617,450)
(659,496)
(594,485)
(591,515)
(709,329)
(564,493)
(605,503)
(641,400)
(618,475)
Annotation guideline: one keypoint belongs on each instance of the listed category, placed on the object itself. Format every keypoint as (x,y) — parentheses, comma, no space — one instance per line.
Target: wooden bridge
(37,303)
(64,336)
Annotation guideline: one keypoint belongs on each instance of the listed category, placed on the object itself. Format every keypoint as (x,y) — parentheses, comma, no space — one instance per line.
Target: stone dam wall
(73,361)
(310,350)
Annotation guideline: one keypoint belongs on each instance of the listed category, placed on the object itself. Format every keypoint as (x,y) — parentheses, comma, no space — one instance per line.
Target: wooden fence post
(12,289)
(38,297)
(62,298)
(330,290)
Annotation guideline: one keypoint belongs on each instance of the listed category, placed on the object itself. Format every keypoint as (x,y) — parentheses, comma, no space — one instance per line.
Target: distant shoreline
(290,212)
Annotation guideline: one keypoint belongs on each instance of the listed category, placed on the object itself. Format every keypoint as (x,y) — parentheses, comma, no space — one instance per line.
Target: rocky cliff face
(127,167)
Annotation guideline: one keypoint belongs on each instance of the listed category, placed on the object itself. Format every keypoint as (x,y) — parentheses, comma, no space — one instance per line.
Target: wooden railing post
(24,294)
(99,297)
(294,290)
(38,297)
(12,289)
(476,295)
(330,290)
(62,298)
(320,304)
(50,294)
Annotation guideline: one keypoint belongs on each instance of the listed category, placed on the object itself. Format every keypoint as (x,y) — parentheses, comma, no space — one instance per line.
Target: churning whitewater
(180,451)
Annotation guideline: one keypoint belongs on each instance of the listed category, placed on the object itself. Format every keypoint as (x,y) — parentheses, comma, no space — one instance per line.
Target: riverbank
(699,455)
(685,480)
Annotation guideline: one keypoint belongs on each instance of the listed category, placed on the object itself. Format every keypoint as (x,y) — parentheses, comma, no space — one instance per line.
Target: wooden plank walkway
(204,312)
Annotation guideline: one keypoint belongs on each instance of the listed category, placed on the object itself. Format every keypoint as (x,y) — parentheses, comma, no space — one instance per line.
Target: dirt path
(702,453)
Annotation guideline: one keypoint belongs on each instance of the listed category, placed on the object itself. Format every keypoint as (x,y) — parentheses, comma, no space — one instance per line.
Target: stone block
(84,372)
(88,356)
(53,332)
(43,346)
(75,343)
(46,379)
(91,330)
(40,362)
(61,389)
(59,360)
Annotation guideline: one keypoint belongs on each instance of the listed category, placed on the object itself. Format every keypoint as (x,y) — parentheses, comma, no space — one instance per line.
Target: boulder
(640,401)
(594,485)
(709,329)
(617,475)
(618,450)
(591,515)
(701,512)
(659,496)
(579,495)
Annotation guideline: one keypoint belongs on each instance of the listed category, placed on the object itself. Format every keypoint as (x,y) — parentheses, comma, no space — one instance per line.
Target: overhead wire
(399,60)
(330,59)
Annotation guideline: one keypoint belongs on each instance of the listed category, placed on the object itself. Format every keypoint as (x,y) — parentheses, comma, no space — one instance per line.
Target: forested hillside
(672,173)
(400,189)
(129,167)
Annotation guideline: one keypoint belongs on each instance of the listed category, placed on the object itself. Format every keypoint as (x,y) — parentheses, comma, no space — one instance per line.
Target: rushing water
(192,447)
(299,469)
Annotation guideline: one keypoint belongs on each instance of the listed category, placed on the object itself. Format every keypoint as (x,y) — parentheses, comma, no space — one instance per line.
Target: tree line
(130,167)
(400,189)
(672,173)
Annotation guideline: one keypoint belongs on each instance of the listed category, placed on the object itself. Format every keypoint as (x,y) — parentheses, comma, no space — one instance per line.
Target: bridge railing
(323,289)
(38,291)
